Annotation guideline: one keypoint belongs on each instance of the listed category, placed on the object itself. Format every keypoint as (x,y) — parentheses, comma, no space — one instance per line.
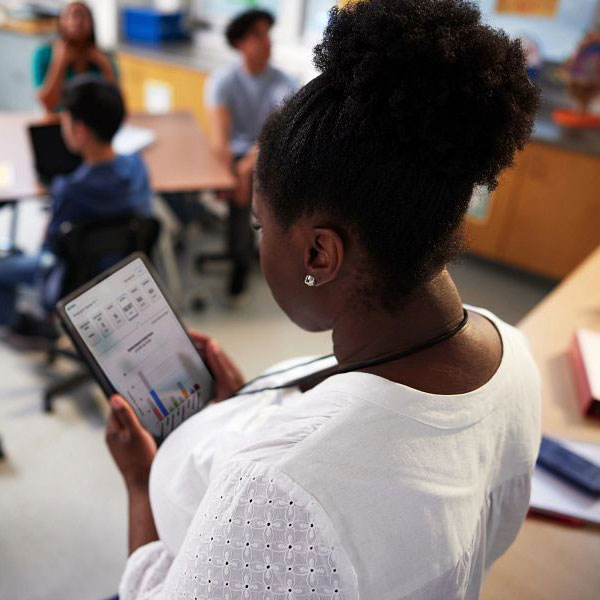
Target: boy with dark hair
(240,97)
(103,186)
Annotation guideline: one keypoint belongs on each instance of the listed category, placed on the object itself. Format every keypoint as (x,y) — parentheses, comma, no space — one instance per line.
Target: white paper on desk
(551,494)
(130,139)
(7,175)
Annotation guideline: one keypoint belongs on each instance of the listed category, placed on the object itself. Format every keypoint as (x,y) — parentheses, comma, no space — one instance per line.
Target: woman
(73,53)
(407,472)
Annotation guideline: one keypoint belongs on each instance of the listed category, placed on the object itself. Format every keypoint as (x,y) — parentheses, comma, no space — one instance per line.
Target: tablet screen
(133,334)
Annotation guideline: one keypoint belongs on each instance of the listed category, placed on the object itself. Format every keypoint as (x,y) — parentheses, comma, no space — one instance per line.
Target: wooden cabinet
(485,233)
(544,216)
(149,84)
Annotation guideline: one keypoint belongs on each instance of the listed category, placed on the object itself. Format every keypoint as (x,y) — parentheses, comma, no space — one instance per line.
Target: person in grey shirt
(240,97)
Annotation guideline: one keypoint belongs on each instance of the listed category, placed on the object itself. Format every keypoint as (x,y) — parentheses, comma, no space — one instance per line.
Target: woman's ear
(323,259)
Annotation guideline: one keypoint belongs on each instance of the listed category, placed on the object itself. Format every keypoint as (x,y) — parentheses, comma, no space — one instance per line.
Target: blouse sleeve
(40,63)
(256,535)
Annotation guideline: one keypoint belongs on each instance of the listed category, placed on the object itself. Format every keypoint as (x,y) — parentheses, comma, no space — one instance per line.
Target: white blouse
(358,488)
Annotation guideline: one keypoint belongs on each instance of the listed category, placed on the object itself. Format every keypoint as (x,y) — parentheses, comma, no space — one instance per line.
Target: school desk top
(179,160)
(550,560)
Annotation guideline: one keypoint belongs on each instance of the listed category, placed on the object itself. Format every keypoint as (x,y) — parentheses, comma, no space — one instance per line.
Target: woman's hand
(96,57)
(131,446)
(228,378)
(63,53)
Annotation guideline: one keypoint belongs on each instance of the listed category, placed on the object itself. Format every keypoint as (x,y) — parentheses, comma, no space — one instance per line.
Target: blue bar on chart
(154,395)
(160,405)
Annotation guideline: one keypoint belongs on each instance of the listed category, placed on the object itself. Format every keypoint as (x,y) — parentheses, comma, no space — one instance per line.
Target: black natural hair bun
(421,67)
(417,103)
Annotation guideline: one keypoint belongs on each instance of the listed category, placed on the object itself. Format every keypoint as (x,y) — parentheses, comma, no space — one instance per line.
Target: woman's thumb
(122,412)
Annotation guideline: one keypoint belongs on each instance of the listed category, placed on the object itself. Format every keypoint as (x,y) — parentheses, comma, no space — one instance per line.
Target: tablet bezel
(94,366)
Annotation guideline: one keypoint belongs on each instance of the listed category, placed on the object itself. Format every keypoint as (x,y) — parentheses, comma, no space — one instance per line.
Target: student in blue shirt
(240,97)
(103,186)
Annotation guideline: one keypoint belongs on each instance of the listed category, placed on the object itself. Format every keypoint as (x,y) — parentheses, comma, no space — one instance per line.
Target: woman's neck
(432,311)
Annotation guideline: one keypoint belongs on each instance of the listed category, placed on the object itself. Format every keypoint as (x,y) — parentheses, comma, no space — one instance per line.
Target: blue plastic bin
(150,25)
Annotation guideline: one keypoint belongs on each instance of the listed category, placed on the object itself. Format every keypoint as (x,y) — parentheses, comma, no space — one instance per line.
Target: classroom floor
(62,504)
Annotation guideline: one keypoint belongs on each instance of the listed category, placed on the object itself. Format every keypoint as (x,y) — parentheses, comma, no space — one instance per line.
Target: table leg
(171,270)
(14,225)
(13,206)
(166,249)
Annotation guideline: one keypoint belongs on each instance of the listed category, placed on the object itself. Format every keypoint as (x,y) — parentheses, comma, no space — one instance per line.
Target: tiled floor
(62,503)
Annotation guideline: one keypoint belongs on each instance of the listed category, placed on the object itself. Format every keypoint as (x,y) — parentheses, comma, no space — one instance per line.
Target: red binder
(584,355)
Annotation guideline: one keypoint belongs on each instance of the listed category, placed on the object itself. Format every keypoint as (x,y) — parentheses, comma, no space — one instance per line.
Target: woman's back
(426,491)
(388,492)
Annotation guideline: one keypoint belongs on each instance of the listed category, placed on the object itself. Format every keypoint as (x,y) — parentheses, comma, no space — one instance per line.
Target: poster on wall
(532,8)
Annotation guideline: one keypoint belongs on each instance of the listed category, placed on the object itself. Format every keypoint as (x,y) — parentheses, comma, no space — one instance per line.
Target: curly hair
(417,102)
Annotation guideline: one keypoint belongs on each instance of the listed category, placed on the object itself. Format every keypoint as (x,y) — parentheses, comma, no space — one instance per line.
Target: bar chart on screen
(168,390)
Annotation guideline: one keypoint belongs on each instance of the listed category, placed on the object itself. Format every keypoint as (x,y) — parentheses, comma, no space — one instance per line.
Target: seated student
(405,472)
(73,53)
(104,185)
(240,97)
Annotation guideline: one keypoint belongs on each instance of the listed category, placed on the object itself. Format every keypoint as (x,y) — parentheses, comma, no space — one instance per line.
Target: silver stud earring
(310,280)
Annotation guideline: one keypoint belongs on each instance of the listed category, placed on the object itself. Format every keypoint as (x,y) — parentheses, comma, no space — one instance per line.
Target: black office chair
(240,248)
(85,250)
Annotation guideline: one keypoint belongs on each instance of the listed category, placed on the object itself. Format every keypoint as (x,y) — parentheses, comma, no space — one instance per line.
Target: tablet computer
(135,344)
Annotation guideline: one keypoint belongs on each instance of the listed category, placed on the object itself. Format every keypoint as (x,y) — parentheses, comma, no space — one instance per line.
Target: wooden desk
(179,160)
(551,561)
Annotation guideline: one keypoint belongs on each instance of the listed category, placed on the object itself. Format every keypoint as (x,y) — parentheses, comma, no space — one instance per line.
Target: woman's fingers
(201,338)
(123,413)
(113,426)
(234,373)
(227,376)
(200,341)
(214,356)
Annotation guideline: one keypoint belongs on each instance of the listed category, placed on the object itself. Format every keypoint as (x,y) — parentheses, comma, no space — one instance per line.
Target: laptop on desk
(51,155)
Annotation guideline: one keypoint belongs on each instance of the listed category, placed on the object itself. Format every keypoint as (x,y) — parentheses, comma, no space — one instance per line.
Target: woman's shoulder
(517,358)
(42,58)
(43,52)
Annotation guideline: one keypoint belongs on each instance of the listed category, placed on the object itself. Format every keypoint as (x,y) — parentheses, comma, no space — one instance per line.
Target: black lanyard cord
(308,381)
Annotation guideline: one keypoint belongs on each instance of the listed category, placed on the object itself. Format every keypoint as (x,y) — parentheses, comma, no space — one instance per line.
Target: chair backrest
(87,249)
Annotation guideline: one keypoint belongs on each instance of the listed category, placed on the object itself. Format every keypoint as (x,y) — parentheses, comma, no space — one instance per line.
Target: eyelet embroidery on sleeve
(255,538)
